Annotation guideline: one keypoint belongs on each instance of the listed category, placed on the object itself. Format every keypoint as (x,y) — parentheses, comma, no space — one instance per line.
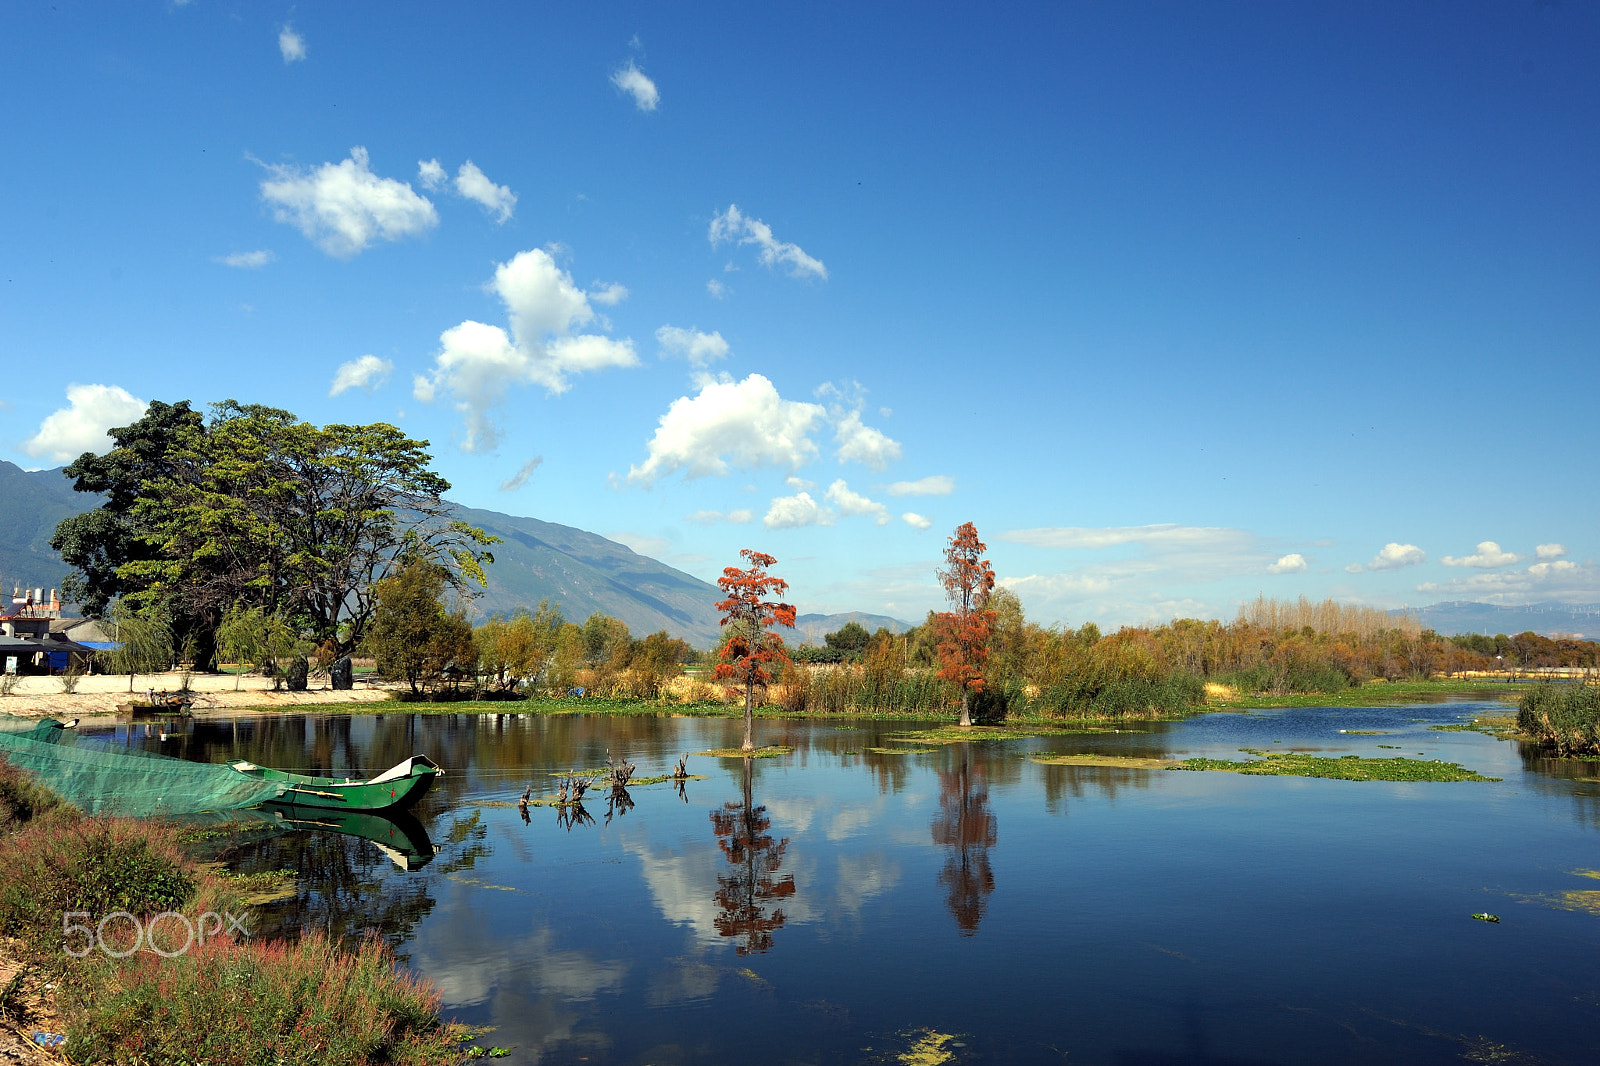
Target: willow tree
(748,615)
(963,631)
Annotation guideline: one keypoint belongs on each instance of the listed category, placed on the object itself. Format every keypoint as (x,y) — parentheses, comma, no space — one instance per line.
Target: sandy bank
(41,697)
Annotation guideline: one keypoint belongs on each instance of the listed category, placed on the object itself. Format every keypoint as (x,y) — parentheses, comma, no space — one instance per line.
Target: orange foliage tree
(747,617)
(963,632)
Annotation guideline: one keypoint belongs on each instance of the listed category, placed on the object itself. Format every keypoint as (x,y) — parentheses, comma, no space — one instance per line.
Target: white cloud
(711,518)
(936,485)
(1550,551)
(1488,557)
(734,226)
(792,512)
(1165,535)
(344,207)
(916,521)
(368,372)
(248,260)
(1552,581)
(699,348)
(473,184)
(631,80)
(520,478)
(291,44)
(863,444)
(717,289)
(477,363)
(851,503)
(81,425)
(430,175)
(608,295)
(1293,563)
(744,425)
(799,483)
(1393,556)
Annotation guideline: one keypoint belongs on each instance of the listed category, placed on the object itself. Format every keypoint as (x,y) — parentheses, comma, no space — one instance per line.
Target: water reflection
(747,894)
(966,828)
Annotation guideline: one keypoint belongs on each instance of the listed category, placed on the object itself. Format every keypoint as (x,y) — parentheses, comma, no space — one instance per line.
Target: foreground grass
(1344,768)
(216,1000)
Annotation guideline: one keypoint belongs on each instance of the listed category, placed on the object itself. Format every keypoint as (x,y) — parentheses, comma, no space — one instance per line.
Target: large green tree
(255,507)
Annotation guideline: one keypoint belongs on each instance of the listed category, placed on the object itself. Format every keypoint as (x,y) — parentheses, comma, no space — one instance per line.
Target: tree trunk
(966,705)
(749,714)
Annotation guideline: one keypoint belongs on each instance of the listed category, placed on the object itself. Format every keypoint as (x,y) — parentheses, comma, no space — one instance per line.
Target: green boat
(397,833)
(399,787)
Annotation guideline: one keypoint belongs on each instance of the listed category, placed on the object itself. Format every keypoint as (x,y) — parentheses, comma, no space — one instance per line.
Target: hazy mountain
(812,628)
(585,572)
(581,571)
(1546,619)
(31,503)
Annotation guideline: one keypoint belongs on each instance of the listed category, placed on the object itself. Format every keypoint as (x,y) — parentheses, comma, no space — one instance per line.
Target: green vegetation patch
(955,734)
(771,751)
(1365,732)
(903,751)
(1380,695)
(1345,768)
(1130,762)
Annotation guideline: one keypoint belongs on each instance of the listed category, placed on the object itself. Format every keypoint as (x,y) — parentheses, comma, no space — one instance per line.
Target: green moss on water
(908,750)
(771,751)
(1345,768)
(956,734)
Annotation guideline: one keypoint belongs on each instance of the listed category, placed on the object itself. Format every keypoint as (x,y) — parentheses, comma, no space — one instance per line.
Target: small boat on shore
(398,787)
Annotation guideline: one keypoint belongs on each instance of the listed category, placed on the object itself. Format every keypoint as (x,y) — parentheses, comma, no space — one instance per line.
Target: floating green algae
(1345,768)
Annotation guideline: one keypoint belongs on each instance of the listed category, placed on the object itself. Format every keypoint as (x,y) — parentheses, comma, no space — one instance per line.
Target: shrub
(22,799)
(1563,717)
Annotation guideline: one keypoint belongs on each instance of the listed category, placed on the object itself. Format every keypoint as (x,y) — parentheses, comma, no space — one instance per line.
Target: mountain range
(1546,619)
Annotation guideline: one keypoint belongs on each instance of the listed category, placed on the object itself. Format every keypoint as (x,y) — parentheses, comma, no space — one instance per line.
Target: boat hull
(397,789)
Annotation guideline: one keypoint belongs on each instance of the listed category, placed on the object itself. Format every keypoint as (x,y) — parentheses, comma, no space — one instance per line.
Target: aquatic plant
(1344,768)
(1564,718)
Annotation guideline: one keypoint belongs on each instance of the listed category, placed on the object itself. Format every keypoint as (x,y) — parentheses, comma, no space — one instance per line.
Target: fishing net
(140,784)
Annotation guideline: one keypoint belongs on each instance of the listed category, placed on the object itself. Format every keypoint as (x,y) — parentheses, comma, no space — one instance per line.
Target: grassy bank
(1379,694)
(222,1000)
(1562,718)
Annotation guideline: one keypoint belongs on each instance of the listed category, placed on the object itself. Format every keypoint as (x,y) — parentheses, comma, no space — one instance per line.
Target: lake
(849,905)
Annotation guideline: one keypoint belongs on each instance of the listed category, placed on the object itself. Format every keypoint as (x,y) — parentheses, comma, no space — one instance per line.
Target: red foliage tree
(747,616)
(966,828)
(964,632)
(745,895)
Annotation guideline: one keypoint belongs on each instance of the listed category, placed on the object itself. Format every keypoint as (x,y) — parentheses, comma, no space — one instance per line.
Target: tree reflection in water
(967,829)
(745,894)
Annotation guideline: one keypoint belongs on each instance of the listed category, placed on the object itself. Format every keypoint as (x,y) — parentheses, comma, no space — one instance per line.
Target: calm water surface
(833,905)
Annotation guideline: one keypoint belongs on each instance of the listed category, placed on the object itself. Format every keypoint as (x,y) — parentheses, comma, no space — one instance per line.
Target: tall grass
(1329,616)
(1565,718)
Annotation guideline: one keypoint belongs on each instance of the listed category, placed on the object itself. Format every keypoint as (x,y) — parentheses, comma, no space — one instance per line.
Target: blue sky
(1178,303)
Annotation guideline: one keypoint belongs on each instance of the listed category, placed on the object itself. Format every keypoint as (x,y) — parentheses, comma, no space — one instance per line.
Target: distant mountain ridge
(1546,619)
(813,628)
(581,571)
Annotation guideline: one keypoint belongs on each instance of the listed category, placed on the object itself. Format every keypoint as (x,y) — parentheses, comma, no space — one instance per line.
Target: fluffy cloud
(607,295)
(343,207)
(1554,580)
(1550,551)
(368,373)
(631,80)
(247,260)
(520,478)
(699,348)
(717,289)
(739,228)
(81,425)
(851,503)
(1488,557)
(937,485)
(430,175)
(473,184)
(792,512)
(477,363)
(1392,557)
(1163,535)
(863,444)
(744,425)
(711,518)
(916,521)
(1293,563)
(291,44)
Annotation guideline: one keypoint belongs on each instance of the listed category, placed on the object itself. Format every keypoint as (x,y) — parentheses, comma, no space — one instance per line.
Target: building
(32,639)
